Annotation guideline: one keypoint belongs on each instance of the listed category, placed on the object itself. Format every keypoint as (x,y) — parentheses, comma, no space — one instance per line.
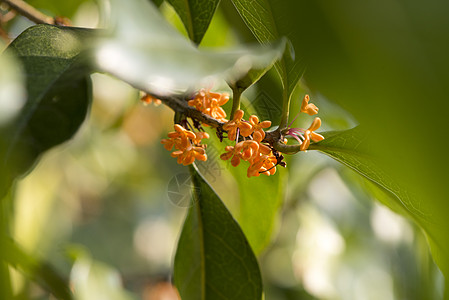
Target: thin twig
(29,12)
(178,104)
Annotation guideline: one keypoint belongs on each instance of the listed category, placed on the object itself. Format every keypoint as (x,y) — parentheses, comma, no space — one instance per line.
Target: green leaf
(145,51)
(196,16)
(352,148)
(254,74)
(386,63)
(260,200)
(214,259)
(58,96)
(269,21)
(41,272)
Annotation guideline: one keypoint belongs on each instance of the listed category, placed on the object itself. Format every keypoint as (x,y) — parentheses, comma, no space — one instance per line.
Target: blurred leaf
(59,94)
(157,2)
(145,51)
(93,280)
(268,21)
(260,200)
(351,149)
(66,8)
(254,74)
(196,16)
(41,272)
(386,63)
(12,87)
(214,259)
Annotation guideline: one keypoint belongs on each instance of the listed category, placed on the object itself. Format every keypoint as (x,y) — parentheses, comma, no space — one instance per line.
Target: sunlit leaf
(196,16)
(386,63)
(352,148)
(41,272)
(214,260)
(145,51)
(269,21)
(254,74)
(260,200)
(58,96)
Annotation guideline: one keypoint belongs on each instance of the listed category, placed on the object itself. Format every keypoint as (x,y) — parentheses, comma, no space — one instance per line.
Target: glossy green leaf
(269,21)
(41,272)
(352,148)
(254,74)
(260,201)
(214,260)
(58,96)
(386,63)
(196,16)
(145,51)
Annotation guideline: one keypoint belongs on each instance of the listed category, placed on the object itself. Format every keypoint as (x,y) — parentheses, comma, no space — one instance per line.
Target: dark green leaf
(172,65)
(196,16)
(386,63)
(41,272)
(214,259)
(59,95)
(270,20)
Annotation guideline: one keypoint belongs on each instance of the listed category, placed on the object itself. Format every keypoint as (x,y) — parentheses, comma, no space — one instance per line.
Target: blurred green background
(103,197)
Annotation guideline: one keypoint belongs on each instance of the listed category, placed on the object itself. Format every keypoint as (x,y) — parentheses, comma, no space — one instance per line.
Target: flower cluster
(303,136)
(148,99)
(187,144)
(250,149)
(248,135)
(210,103)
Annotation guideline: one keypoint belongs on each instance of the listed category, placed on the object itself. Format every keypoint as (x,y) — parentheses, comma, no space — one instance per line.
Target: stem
(29,12)
(274,138)
(285,109)
(236,93)
(181,106)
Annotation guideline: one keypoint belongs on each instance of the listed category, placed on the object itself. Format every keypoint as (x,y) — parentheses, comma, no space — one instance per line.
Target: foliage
(380,71)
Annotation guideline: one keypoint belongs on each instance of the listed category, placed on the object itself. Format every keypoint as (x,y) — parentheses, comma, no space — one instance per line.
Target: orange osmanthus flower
(231,126)
(210,103)
(263,164)
(258,127)
(311,135)
(308,108)
(188,155)
(187,144)
(147,99)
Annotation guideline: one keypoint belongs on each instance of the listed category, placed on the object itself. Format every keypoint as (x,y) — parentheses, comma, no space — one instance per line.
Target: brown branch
(29,12)
(274,138)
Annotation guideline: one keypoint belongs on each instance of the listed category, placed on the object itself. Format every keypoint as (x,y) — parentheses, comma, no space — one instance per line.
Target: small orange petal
(315,124)
(265,124)
(305,102)
(316,137)
(238,114)
(305,145)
